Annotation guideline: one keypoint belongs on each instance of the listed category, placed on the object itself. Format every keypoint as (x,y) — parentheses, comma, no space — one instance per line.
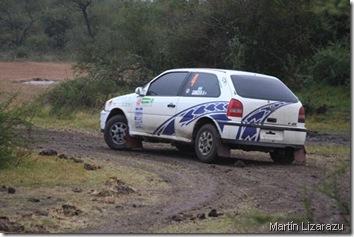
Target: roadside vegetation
(327,107)
(12,143)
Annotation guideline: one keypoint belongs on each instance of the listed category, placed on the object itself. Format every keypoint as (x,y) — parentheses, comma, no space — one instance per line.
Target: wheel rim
(205,143)
(118,133)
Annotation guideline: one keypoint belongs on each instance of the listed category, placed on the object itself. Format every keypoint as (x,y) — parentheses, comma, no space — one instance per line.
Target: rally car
(209,111)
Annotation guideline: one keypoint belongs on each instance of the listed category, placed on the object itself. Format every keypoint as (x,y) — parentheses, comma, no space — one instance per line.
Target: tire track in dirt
(191,186)
(196,187)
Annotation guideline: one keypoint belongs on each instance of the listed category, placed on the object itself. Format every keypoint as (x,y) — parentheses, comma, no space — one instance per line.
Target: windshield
(261,87)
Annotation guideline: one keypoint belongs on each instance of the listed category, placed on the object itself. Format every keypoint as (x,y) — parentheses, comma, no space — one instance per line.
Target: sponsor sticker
(200,91)
(138,117)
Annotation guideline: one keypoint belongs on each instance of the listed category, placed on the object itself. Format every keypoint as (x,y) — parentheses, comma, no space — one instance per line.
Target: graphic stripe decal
(257,117)
(215,109)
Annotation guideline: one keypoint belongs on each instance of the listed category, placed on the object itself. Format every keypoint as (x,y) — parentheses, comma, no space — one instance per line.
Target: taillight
(301,115)
(235,108)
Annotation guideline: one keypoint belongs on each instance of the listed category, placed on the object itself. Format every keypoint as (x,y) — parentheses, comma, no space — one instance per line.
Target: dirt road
(232,187)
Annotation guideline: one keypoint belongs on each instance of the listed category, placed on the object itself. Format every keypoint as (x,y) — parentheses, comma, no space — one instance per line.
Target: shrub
(332,64)
(11,138)
(79,94)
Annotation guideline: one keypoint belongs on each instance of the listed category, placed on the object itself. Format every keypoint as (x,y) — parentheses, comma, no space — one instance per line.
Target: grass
(210,226)
(245,221)
(338,151)
(43,171)
(80,121)
(341,126)
(336,104)
(51,181)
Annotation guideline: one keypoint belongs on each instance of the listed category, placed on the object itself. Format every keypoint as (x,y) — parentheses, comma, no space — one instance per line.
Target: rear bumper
(262,126)
(257,135)
(257,146)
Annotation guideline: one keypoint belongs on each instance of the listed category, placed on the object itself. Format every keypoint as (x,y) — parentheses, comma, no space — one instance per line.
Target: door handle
(171,105)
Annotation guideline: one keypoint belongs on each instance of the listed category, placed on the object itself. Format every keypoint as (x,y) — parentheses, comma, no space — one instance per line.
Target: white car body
(259,124)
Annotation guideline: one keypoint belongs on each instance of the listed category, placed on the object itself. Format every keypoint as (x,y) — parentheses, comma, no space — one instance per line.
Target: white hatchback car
(209,111)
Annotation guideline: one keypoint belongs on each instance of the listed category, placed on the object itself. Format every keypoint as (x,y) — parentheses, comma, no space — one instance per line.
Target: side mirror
(139,90)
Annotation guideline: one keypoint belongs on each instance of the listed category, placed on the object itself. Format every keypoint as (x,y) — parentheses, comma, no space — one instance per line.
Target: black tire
(283,156)
(116,132)
(206,143)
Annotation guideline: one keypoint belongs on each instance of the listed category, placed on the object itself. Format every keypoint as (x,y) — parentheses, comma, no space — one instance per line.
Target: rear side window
(167,85)
(258,87)
(202,84)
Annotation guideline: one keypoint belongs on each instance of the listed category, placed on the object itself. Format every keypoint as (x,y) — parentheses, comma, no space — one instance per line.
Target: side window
(202,84)
(167,85)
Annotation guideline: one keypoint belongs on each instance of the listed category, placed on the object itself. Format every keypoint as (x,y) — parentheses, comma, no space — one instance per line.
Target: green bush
(36,44)
(332,65)
(11,137)
(79,94)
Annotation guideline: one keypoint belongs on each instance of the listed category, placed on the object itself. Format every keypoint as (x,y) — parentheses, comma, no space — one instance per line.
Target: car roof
(227,71)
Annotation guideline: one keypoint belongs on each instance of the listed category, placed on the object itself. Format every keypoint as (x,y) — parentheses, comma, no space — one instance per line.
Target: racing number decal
(194,79)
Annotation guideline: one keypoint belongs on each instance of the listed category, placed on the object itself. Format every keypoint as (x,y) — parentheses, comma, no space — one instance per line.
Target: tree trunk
(88,25)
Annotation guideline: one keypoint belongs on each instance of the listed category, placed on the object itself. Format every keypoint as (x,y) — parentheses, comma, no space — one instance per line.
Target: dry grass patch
(58,195)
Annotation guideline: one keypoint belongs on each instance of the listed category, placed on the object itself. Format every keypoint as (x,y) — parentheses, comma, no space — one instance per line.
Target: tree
(18,19)
(81,6)
(56,27)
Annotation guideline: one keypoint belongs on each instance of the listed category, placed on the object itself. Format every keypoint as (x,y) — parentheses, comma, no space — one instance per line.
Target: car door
(200,96)
(157,105)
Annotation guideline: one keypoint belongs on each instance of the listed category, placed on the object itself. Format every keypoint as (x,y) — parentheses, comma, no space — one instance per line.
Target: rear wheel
(283,156)
(116,132)
(206,143)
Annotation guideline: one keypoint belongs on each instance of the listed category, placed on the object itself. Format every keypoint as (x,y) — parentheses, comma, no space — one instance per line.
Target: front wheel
(116,132)
(206,143)
(283,156)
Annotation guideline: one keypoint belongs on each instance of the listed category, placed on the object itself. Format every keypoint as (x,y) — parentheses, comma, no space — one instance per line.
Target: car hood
(124,101)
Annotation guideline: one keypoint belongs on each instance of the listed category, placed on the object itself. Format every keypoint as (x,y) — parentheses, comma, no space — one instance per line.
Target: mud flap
(223,150)
(134,143)
(300,155)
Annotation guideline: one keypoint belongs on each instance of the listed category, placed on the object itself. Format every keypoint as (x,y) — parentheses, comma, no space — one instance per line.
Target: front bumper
(103,119)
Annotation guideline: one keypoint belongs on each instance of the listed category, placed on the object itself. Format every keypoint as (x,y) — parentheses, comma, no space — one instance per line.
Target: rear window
(258,87)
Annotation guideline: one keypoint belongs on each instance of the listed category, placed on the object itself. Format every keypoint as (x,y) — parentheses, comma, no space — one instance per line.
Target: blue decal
(210,107)
(257,117)
(188,116)
(216,110)
(200,110)
(170,128)
(220,118)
